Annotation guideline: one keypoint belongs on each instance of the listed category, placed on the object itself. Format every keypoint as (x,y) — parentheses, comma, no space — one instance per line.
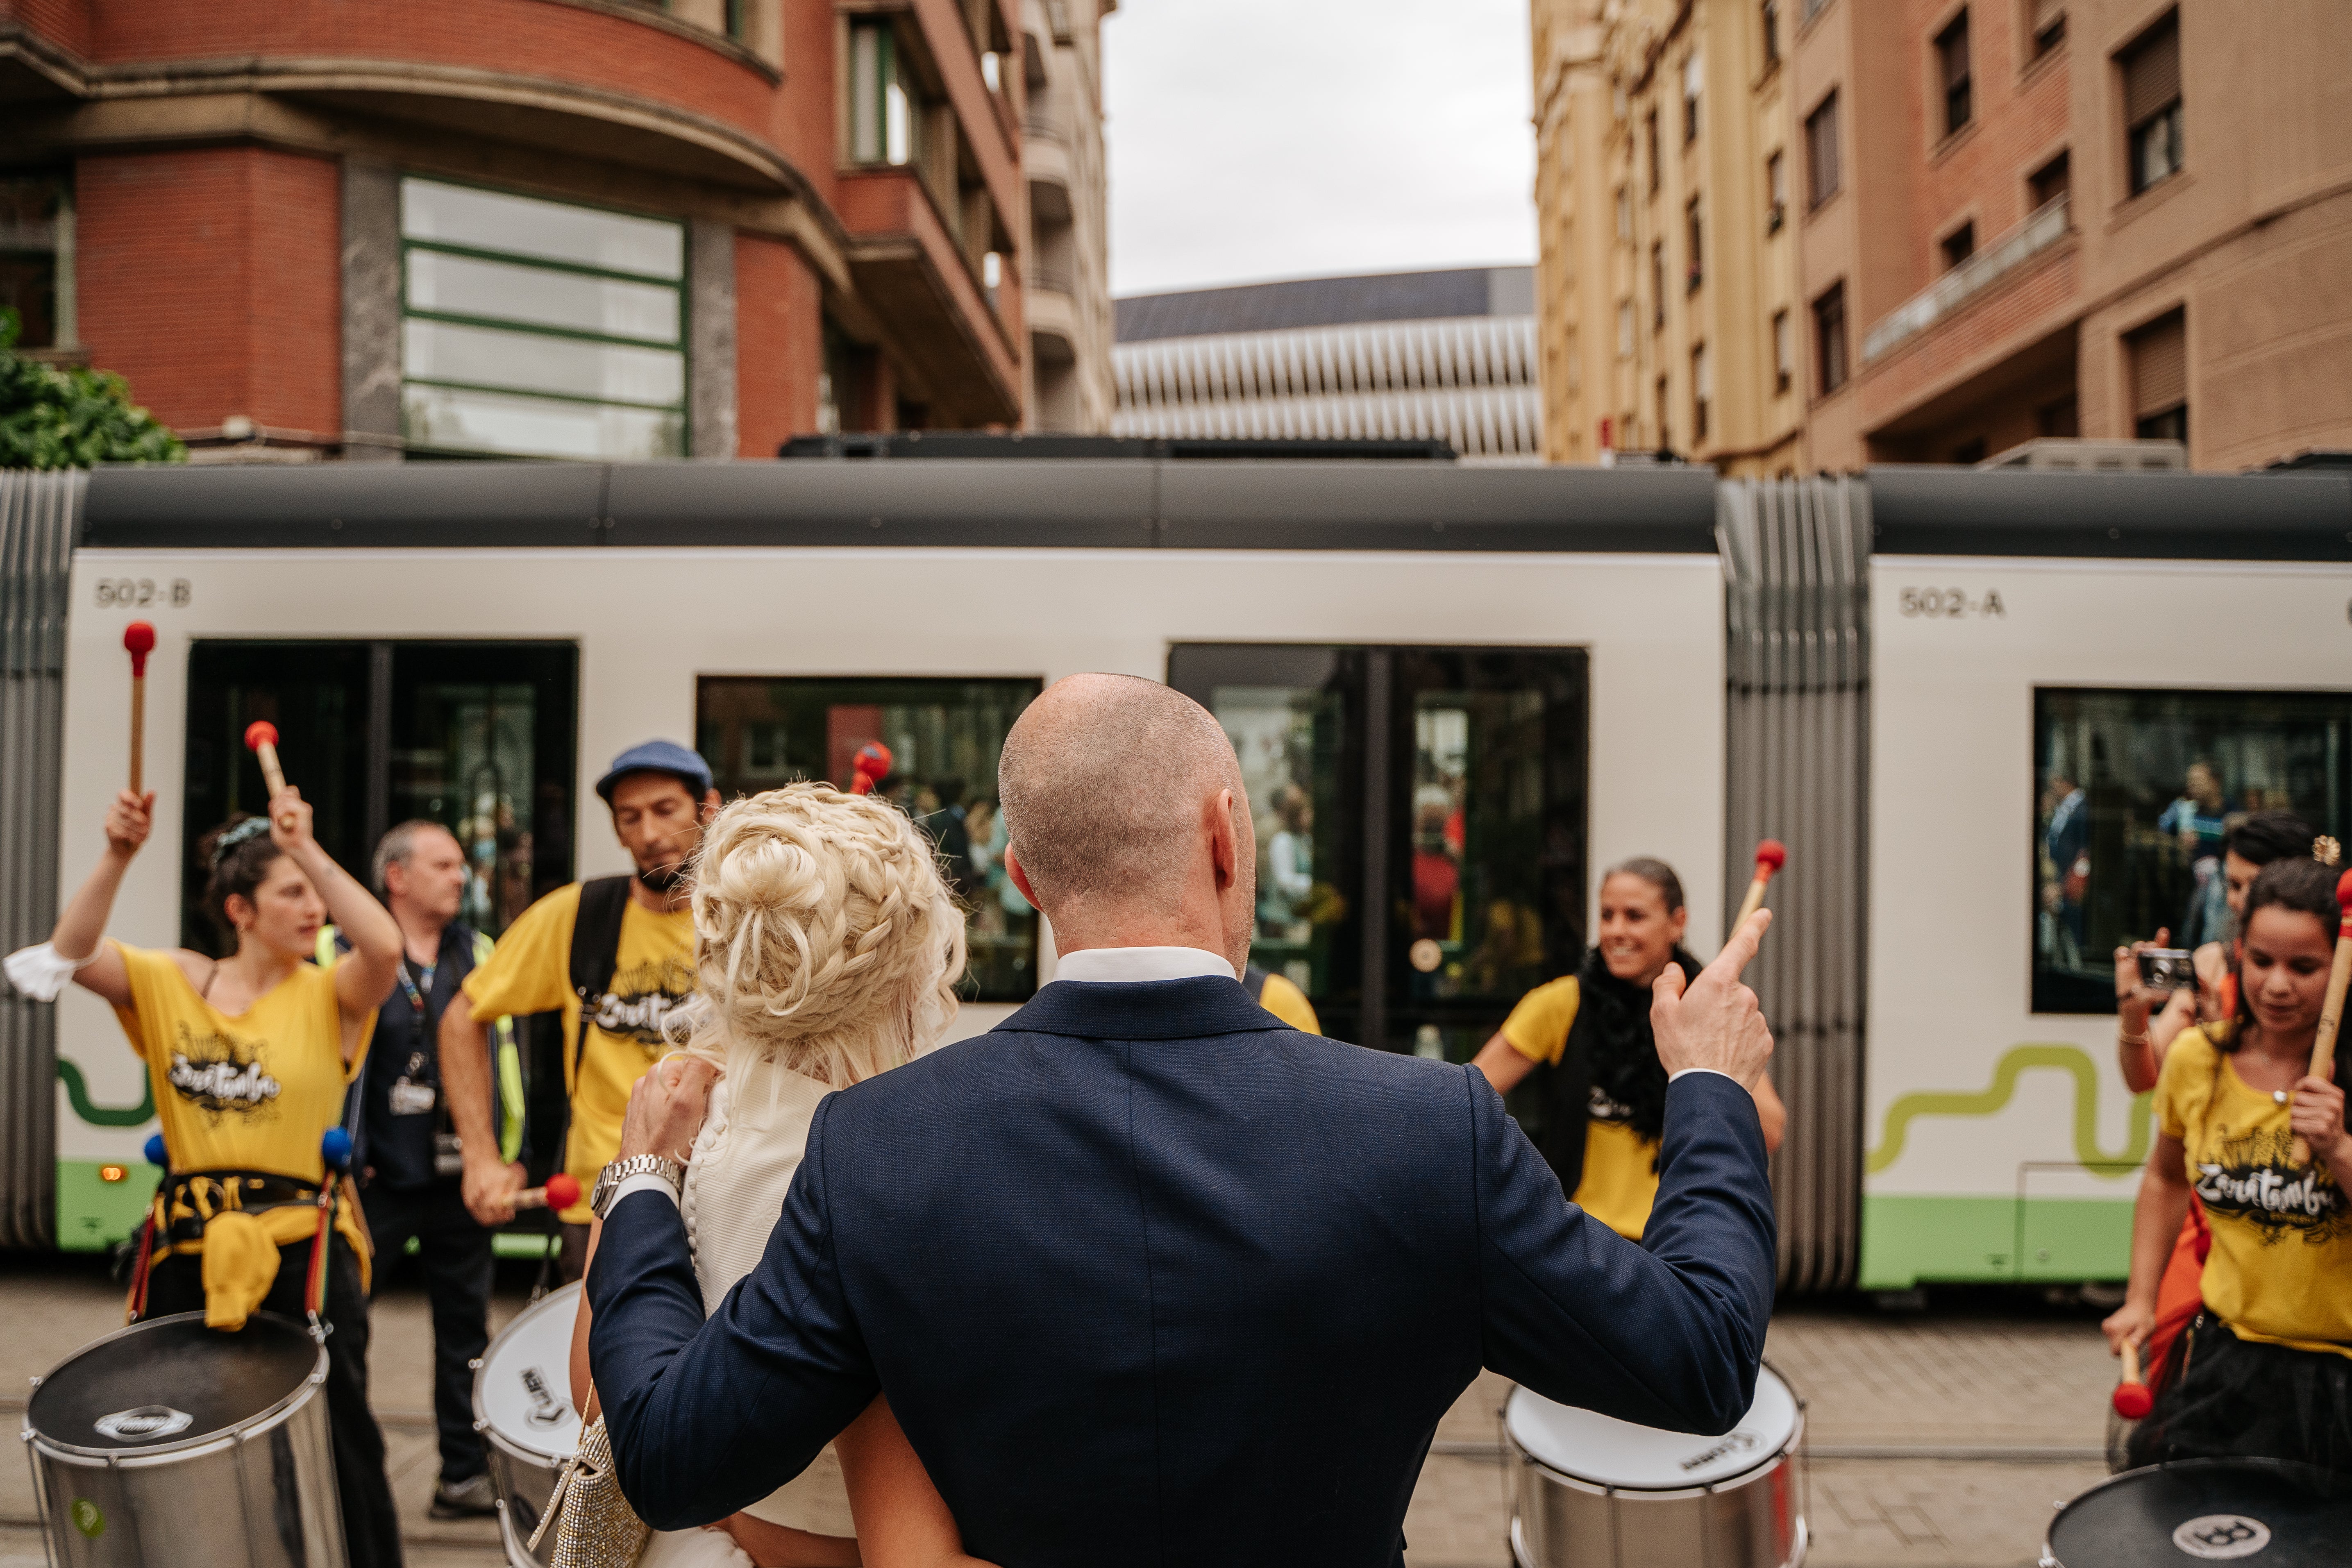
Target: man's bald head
(1104,782)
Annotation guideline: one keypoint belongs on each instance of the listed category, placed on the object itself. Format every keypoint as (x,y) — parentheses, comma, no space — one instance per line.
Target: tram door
(478,736)
(1421,827)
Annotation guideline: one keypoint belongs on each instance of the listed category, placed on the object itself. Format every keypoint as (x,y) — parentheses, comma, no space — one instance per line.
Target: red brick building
(550,227)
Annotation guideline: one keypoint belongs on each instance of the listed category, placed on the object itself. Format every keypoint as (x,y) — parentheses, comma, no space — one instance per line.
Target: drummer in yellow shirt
(248,1057)
(1603,1088)
(661,797)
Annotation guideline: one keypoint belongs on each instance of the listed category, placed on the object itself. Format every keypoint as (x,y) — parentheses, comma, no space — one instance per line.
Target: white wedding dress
(744,1157)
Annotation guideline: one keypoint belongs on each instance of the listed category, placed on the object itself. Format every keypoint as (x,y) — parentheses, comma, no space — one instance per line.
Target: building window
(1625,329)
(2151,67)
(1814,8)
(1694,80)
(2049,25)
(1960,245)
(1772,32)
(1702,393)
(540,329)
(1952,64)
(884,119)
(1829,338)
(1658,285)
(2159,372)
(1821,152)
(1775,192)
(1697,240)
(1665,425)
(1624,213)
(36,257)
(1784,365)
(1650,135)
(2049,183)
(735,9)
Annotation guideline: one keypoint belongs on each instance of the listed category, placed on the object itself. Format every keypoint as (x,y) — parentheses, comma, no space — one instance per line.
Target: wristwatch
(609,1180)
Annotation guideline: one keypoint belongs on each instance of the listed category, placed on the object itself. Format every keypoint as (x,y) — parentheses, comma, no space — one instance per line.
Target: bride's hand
(666,1108)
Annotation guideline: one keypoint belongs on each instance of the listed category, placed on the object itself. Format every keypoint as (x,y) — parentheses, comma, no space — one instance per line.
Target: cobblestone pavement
(1939,1439)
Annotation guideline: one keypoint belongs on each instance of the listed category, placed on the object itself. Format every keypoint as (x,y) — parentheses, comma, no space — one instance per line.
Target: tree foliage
(53,417)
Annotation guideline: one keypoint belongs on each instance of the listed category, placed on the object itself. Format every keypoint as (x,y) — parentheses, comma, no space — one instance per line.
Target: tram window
(2134,791)
(475,736)
(944,736)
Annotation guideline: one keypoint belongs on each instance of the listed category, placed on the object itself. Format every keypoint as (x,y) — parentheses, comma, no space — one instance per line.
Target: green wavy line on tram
(2072,1059)
(97,1115)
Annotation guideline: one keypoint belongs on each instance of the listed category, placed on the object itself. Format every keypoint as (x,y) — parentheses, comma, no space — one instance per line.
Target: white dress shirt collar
(1096,964)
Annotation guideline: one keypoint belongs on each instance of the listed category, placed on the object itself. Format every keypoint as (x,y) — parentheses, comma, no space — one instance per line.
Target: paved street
(1938,1437)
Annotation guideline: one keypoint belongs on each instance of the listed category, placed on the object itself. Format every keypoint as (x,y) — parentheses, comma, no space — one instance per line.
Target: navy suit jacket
(1151,1277)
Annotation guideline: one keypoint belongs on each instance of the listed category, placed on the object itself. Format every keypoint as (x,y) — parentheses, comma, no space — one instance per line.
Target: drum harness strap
(185,1203)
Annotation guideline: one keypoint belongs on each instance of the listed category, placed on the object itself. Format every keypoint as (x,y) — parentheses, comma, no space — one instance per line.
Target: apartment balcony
(1952,292)
(908,266)
(1046,160)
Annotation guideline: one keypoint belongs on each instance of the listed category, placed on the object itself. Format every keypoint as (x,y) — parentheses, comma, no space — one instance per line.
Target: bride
(826,949)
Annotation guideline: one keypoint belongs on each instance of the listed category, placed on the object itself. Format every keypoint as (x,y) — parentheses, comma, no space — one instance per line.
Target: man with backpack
(614,955)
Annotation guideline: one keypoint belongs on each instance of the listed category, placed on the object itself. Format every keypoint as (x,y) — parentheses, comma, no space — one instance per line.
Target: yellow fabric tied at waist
(241,1245)
(240,1265)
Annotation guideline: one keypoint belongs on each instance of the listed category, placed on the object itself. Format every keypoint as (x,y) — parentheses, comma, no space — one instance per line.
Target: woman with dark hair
(2266,1369)
(249,1056)
(1603,1086)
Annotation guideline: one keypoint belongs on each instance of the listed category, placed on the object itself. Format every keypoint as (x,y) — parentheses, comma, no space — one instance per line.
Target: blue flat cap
(658,757)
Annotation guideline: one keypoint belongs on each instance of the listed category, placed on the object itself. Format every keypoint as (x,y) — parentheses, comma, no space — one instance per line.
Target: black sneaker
(472,1498)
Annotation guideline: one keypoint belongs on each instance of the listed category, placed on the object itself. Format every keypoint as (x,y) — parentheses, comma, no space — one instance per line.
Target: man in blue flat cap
(614,954)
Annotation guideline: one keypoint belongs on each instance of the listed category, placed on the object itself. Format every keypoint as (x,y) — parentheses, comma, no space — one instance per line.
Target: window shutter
(2047,13)
(2152,71)
(2159,353)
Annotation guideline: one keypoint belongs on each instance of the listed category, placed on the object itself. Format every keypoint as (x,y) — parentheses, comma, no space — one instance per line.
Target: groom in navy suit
(1149,1277)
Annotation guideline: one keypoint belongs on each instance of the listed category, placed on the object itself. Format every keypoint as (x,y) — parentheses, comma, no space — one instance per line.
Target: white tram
(1458,694)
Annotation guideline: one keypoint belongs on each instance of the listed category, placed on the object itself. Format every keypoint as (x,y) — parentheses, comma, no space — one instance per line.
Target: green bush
(55,419)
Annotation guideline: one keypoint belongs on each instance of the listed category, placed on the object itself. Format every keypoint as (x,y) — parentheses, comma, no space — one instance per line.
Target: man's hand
(1714,1023)
(489,1187)
(666,1106)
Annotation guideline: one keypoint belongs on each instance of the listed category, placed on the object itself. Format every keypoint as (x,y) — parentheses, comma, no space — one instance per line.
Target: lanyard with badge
(411,1095)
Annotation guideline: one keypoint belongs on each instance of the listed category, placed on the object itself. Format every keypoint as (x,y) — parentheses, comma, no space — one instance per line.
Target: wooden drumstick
(2331,1010)
(2132,1399)
(138,640)
(1770,856)
(261,740)
(559,1194)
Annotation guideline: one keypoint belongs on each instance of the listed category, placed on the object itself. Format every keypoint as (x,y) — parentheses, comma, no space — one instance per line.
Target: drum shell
(524,1473)
(1755,1522)
(525,1481)
(262,1495)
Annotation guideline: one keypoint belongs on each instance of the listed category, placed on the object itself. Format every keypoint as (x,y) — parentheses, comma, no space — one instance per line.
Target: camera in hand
(2168,969)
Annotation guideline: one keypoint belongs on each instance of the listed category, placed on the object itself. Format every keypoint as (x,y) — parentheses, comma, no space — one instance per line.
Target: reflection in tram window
(944,738)
(2134,793)
(1288,738)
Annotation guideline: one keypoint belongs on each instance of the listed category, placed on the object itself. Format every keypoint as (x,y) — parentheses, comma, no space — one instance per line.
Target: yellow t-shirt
(2281,1268)
(1619,1181)
(531,972)
(1286,1002)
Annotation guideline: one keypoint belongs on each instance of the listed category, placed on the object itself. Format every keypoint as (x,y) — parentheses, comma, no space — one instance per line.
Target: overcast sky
(1258,139)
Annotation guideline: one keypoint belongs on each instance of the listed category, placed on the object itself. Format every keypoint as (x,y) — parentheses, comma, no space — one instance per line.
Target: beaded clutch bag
(594,1525)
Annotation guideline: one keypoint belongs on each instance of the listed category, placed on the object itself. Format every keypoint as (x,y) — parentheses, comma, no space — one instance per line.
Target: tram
(1964,699)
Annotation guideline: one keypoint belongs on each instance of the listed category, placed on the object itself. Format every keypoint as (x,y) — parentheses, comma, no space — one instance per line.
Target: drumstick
(1770,856)
(2331,1010)
(261,740)
(138,640)
(2132,1398)
(559,1194)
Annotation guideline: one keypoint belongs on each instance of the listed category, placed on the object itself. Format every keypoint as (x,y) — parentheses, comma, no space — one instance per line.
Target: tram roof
(2275,516)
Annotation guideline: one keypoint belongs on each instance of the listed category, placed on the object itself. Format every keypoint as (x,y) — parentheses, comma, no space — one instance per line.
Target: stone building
(1666,286)
(1069,250)
(548,227)
(1447,355)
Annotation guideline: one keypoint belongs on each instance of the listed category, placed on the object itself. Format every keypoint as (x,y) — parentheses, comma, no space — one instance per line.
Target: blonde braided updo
(823,932)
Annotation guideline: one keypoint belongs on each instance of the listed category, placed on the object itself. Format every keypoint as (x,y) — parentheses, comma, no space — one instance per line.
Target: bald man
(1148,1277)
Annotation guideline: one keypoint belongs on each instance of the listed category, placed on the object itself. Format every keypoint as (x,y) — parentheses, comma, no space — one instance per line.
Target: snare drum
(1590,1491)
(522,1408)
(2267,1511)
(170,1445)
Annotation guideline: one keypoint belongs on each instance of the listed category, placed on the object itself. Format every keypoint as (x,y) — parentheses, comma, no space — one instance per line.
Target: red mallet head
(869,767)
(1770,856)
(2133,1401)
(2344,897)
(562,1192)
(139,637)
(259,733)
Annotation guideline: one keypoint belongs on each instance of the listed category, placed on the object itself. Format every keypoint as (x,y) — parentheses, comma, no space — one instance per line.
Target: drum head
(172,1381)
(2265,1513)
(523,1392)
(1604,1451)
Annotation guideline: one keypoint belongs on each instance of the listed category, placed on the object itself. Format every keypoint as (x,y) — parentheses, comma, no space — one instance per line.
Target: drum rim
(482,1423)
(2208,1462)
(252,1425)
(1792,1448)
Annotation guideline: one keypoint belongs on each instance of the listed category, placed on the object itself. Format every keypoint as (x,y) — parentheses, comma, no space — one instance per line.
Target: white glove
(40,972)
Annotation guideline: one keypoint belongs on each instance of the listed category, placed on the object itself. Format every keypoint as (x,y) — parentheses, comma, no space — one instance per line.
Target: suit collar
(1141,1010)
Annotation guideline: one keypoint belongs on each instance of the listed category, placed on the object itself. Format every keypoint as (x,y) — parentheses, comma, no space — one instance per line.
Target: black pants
(455,1256)
(2225,1398)
(371,1525)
